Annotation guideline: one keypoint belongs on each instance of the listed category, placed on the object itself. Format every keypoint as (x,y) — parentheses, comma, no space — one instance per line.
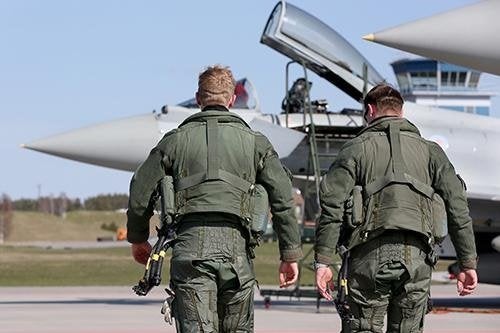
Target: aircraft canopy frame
(306,39)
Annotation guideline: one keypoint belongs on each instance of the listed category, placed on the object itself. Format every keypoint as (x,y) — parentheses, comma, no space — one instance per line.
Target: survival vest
(396,200)
(215,168)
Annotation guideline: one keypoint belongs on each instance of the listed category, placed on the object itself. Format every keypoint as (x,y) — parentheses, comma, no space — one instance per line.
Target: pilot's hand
(141,252)
(324,281)
(466,282)
(289,272)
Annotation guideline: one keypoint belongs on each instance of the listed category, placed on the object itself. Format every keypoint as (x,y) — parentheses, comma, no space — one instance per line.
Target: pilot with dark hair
(217,163)
(390,242)
(296,97)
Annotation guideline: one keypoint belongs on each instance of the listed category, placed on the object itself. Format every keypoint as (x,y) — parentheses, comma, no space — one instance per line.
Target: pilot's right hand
(141,252)
(466,282)
(288,273)
(324,281)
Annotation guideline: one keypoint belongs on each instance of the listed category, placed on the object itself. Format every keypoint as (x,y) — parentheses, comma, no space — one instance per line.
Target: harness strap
(234,180)
(397,174)
(190,181)
(379,183)
(212,149)
(398,165)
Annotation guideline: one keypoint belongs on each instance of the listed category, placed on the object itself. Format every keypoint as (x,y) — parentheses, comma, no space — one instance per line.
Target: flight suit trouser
(213,279)
(389,275)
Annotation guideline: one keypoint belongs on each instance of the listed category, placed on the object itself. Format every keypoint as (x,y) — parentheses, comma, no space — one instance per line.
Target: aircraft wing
(465,36)
(484,192)
(470,141)
(284,140)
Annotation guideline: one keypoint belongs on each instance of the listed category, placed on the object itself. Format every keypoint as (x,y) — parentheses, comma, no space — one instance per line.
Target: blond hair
(215,86)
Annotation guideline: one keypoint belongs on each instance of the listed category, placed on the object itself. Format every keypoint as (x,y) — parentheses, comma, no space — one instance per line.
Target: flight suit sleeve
(335,189)
(448,185)
(142,194)
(273,177)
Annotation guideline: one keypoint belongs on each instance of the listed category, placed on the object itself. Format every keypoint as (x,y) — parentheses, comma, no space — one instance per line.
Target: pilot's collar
(215,108)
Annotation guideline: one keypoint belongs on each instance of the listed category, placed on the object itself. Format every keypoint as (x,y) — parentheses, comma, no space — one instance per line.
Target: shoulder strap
(397,162)
(212,149)
(397,173)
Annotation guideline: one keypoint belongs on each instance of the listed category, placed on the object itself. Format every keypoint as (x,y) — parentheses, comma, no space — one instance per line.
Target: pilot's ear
(372,110)
(231,101)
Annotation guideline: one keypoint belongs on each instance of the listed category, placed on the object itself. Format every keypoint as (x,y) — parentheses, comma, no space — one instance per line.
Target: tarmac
(118,309)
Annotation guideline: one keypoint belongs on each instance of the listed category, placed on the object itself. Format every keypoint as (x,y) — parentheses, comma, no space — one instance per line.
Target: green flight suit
(214,158)
(388,272)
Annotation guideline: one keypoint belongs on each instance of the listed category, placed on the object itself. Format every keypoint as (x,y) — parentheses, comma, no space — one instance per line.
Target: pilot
(216,161)
(391,244)
(296,97)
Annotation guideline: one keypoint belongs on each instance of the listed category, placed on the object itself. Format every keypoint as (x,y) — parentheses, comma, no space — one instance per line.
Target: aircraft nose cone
(121,144)
(445,37)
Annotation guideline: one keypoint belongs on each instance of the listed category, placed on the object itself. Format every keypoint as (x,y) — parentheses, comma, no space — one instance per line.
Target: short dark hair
(384,97)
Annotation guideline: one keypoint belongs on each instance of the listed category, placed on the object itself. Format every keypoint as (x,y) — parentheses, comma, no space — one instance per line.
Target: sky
(69,64)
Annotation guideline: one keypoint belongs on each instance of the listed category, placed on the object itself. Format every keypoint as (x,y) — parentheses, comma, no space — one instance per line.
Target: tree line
(5,216)
(62,204)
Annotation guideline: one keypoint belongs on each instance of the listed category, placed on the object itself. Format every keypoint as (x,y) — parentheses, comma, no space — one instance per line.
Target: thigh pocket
(243,268)
(186,302)
(413,319)
(418,285)
(196,305)
(362,270)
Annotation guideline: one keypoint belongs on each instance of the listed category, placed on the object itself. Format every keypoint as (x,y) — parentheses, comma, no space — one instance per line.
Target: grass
(33,266)
(30,266)
(79,225)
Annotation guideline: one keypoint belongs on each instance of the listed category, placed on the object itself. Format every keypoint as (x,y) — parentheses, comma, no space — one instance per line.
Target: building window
(424,80)
(453,79)
(404,84)
(444,78)
(469,109)
(454,107)
(474,79)
(461,79)
(483,110)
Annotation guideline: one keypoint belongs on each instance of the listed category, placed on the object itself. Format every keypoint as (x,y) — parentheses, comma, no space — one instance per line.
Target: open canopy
(305,39)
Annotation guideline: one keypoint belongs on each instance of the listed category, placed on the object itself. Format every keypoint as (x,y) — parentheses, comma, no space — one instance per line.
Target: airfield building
(439,84)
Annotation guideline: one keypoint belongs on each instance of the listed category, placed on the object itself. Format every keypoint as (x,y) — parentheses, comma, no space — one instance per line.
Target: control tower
(439,84)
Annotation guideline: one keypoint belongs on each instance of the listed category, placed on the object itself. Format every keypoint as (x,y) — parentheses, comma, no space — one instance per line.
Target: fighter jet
(472,142)
(465,36)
